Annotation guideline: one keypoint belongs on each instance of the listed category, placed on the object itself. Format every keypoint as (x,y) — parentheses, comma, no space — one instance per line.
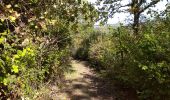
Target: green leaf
(2,39)
(16,56)
(5,32)
(2,62)
(15,69)
(144,67)
(2,19)
(5,81)
(12,18)
(34,1)
(19,52)
(24,53)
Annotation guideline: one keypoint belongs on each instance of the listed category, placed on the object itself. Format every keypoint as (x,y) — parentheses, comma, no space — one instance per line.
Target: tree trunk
(136,24)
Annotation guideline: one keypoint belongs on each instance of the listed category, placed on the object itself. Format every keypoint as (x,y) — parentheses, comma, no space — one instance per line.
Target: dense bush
(141,63)
(35,37)
(81,42)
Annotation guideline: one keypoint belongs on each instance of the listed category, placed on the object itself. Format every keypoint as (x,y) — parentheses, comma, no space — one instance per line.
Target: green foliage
(35,42)
(81,41)
(141,63)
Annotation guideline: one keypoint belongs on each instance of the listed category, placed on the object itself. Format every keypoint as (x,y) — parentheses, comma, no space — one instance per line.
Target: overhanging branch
(149,5)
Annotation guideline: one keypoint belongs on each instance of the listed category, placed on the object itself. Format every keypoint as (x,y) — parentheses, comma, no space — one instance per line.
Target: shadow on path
(84,84)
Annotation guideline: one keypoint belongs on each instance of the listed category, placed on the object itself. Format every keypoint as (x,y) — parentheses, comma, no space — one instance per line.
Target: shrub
(139,62)
(35,43)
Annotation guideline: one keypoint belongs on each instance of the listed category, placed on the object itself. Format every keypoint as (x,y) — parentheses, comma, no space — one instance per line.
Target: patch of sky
(124,17)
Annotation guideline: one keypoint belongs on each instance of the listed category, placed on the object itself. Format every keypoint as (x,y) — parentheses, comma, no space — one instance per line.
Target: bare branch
(149,5)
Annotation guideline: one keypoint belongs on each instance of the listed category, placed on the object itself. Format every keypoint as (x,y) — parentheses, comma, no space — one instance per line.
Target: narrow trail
(84,84)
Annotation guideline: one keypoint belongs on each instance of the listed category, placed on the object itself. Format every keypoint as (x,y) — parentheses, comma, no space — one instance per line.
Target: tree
(134,7)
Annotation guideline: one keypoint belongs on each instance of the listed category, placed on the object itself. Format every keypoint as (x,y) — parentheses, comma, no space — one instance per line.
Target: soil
(84,84)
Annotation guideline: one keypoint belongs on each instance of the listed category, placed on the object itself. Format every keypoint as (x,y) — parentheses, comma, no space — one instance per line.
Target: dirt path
(83,84)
